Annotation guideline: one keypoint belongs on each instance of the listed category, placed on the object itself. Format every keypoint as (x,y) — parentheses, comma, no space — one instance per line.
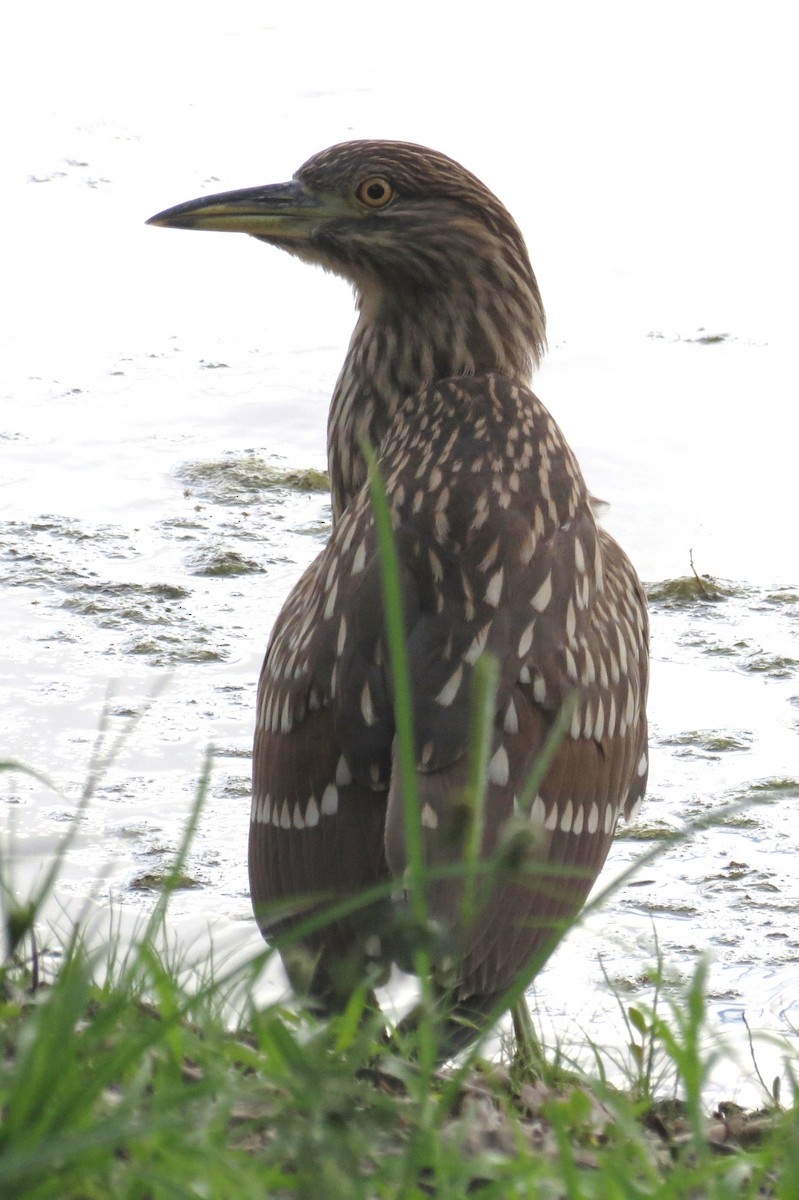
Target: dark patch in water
(688,590)
(712,742)
(240,479)
(787,786)
(646,831)
(704,339)
(783,597)
(155,881)
(167,651)
(105,598)
(775,666)
(223,562)
(66,560)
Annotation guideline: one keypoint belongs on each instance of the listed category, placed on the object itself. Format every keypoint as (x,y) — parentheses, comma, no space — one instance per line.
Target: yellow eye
(374,192)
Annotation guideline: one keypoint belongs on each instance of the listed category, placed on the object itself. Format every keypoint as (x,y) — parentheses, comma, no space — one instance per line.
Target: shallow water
(154,383)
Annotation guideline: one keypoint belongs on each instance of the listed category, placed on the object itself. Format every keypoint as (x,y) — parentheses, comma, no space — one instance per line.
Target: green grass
(124,1075)
(129,1081)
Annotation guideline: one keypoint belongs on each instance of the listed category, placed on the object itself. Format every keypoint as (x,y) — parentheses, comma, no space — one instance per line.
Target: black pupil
(376,191)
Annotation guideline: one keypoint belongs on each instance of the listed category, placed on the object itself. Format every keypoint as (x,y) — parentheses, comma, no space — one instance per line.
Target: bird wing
(598,772)
(316,833)
(512,562)
(499,552)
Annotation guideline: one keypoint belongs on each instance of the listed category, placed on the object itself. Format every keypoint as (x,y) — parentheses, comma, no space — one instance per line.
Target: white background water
(647,152)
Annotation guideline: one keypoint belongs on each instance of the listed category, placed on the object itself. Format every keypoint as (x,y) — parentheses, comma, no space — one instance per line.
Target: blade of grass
(19,919)
(416,874)
(400,670)
(486,681)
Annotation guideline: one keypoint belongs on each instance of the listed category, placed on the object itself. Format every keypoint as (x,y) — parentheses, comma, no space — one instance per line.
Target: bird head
(406,225)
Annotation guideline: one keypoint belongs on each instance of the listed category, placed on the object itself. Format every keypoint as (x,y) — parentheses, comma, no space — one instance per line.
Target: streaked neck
(400,346)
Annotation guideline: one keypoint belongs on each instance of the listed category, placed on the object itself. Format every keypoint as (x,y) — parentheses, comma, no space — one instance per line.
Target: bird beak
(283,211)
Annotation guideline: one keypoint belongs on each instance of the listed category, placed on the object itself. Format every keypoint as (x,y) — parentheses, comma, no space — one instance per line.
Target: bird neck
(401,345)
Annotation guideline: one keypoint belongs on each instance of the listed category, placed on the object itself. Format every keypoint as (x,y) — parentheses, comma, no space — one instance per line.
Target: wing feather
(500,553)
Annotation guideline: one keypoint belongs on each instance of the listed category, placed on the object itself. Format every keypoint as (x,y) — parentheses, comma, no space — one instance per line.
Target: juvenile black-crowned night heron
(499,552)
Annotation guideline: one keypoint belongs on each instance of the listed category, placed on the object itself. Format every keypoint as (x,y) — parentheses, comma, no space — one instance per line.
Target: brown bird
(500,554)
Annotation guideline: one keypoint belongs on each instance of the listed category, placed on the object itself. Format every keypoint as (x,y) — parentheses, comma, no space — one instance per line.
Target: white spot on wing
(367,708)
(599,722)
(450,688)
(343,773)
(511,721)
(566,817)
(499,768)
(436,568)
(593,818)
(622,651)
(543,596)
(493,593)
(330,607)
(528,548)
(429,817)
(634,811)
(612,716)
(538,812)
(614,668)
(478,645)
(490,556)
(329,805)
(526,641)
(571,619)
(311,813)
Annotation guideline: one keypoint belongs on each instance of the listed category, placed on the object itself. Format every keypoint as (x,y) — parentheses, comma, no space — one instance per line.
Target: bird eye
(374,192)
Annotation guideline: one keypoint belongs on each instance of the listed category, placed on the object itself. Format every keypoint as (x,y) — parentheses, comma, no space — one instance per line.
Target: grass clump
(136,1086)
(123,1074)
(242,478)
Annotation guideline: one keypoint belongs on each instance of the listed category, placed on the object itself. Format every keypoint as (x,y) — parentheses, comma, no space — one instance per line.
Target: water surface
(156,387)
